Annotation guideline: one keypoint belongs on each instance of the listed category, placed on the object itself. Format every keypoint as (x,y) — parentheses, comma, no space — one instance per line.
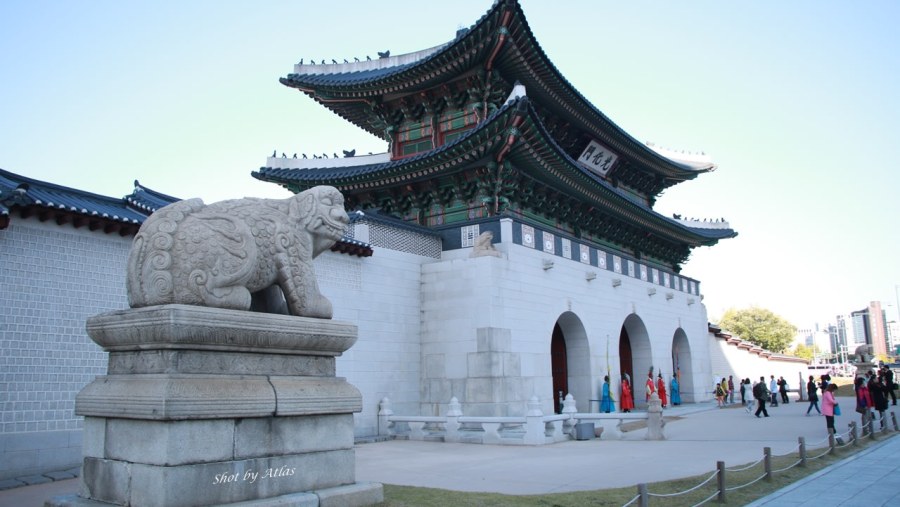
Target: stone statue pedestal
(205,406)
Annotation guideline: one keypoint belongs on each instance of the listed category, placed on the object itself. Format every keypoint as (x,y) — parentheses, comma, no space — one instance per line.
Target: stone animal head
(320,211)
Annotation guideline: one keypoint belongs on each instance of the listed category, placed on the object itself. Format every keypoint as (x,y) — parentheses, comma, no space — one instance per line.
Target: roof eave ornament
(518,91)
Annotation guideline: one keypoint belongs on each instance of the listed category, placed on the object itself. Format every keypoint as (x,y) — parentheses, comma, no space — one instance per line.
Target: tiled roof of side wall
(133,209)
(16,190)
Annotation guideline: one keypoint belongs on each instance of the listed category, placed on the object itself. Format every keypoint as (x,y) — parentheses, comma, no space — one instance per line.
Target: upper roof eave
(539,71)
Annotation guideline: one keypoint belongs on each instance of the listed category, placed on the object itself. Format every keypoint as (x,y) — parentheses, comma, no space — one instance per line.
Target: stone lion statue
(484,246)
(241,254)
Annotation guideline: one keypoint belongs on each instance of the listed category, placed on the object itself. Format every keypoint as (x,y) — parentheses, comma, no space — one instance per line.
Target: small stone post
(451,428)
(767,460)
(569,409)
(655,419)
(854,437)
(831,441)
(894,419)
(384,411)
(534,423)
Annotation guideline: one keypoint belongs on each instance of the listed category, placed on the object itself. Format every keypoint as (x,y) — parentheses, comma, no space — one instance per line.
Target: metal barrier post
(767,462)
(720,467)
(802,451)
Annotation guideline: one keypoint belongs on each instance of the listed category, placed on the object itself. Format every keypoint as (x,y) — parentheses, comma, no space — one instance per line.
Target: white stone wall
(380,294)
(53,278)
(465,298)
(729,359)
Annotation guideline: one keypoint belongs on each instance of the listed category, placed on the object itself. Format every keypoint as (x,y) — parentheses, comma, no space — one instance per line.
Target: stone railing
(534,428)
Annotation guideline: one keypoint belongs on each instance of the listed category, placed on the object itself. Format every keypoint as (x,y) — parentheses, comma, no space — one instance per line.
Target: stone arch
(635,355)
(571,360)
(681,363)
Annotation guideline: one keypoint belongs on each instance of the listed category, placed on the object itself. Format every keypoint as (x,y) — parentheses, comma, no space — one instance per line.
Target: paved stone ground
(700,436)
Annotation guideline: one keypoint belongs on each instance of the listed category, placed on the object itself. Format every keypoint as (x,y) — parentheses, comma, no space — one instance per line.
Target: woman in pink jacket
(828,404)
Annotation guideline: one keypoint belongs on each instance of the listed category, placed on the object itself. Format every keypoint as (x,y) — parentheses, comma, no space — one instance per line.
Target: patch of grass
(407,496)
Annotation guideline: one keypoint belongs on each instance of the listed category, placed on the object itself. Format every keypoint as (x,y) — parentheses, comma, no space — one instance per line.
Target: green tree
(803,351)
(759,326)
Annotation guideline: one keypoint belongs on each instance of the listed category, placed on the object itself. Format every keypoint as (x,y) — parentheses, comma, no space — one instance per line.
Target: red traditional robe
(627,399)
(661,389)
(650,387)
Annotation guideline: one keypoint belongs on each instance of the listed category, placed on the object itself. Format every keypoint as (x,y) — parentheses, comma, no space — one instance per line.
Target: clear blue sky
(797,102)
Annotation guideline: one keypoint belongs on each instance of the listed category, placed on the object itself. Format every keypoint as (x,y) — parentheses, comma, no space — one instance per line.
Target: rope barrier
(827,450)
(823,441)
(698,486)
(787,467)
(748,467)
(754,481)
(795,449)
(635,499)
(848,443)
(707,499)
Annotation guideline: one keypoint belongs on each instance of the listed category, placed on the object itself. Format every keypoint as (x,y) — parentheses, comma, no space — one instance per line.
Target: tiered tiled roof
(502,43)
(544,151)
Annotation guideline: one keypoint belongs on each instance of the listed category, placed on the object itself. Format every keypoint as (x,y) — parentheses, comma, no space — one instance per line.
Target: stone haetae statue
(864,353)
(484,246)
(240,254)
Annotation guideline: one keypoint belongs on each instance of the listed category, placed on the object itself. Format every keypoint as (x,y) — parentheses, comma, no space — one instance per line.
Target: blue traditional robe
(675,394)
(607,404)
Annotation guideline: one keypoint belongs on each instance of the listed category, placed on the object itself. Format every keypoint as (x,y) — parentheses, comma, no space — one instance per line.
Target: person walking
(863,403)
(730,389)
(761,394)
(889,383)
(813,397)
(879,397)
(773,390)
(782,389)
(720,393)
(829,404)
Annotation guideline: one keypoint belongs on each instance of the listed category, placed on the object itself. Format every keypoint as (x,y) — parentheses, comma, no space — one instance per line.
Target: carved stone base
(207,406)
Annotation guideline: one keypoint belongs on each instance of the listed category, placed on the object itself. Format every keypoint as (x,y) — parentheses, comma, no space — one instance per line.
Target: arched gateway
(681,364)
(635,356)
(570,362)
